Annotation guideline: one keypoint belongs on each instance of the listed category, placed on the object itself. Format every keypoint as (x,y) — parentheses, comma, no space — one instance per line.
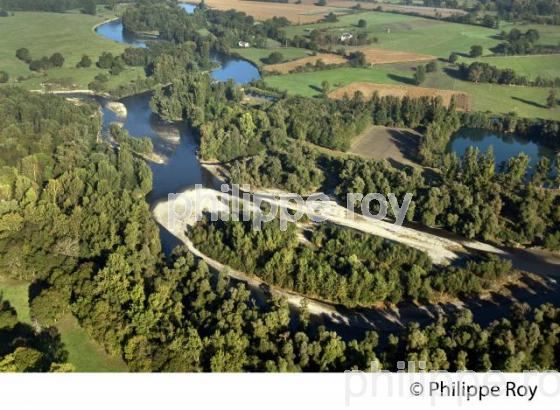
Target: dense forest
(339,265)
(472,196)
(75,223)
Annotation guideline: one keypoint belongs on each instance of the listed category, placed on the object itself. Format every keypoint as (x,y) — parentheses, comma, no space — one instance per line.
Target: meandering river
(182,169)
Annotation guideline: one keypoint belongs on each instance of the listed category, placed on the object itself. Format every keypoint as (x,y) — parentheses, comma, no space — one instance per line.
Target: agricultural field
(296,13)
(409,33)
(396,145)
(257,56)
(70,34)
(530,66)
(388,6)
(384,56)
(83,353)
(309,84)
(384,90)
(283,68)
(392,5)
(525,101)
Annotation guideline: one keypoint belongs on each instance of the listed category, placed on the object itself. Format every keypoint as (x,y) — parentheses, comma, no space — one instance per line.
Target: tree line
(339,265)
(480,72)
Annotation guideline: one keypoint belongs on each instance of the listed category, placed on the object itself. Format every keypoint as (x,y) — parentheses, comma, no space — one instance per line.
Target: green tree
(56,60)
(89,7)
(4,77)
(476,51)
(420,74)
(23,54)
(325,87)
(85,62)
(552,99)
(48,306)
(275,58)
(431,67)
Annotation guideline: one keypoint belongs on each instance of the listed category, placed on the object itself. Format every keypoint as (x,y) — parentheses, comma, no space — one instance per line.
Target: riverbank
(386,318)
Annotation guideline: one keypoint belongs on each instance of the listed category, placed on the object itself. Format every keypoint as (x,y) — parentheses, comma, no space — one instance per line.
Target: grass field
(531,66)
(16,293)
(525,101)
(70,34)
(256,55)
(85,354)
(409,33)
(309,84)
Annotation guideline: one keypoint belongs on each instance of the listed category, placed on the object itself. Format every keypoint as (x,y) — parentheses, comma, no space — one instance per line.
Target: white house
(346,36)
(244,44)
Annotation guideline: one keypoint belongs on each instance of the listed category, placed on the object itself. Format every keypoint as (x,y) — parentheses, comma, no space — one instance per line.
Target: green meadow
(257,55)
(525,101)
(71,34)
(530,66)
(409,33)
(83,353)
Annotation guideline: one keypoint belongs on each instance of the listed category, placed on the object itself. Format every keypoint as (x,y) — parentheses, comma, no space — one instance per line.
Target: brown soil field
(368,89)
(384,56)
(399,146)
(296,13)
(284,68)
(421,11)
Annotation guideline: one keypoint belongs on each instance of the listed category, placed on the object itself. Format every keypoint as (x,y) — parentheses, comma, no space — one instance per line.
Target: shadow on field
(453,73)
(529,102)
(401,79)
(406,142)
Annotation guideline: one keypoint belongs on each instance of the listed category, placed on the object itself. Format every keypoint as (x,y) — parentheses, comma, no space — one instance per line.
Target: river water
(178,144)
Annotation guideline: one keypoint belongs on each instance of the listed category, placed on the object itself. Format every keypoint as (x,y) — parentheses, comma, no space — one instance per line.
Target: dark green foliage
(431,67)
(525,339)
(89,6)
(274,58)
(4,77)
(141,145)
(290,166)
(339,265)
(85,62)
(24,55)
(56,60)
(420,74)
(23,349)
(476,51)
(357,59)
